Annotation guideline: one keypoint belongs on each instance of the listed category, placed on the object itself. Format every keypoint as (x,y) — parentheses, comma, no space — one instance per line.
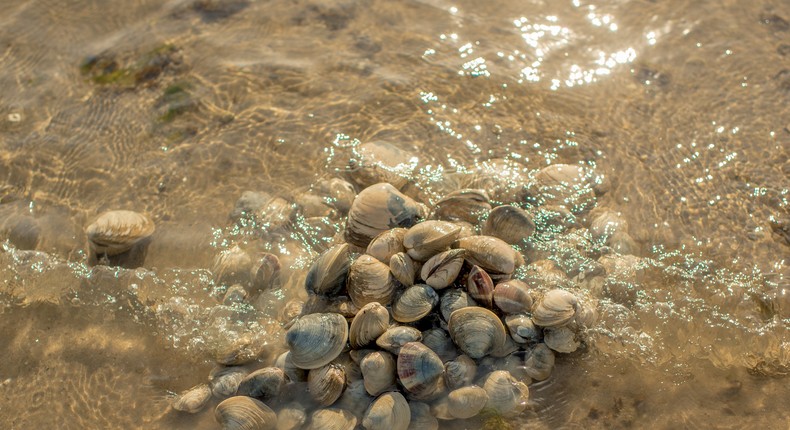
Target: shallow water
(175,109)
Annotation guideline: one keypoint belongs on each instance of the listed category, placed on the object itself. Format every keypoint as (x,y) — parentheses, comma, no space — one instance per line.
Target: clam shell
(403,268)
(452,300)
(291,417)
(560,339)
(522,329)
(370,280)
(414,303)
(192,400)
(547,274)
(233,295)
(332,419)
(232,266)
(378,208)
(606,223)
(460,372)
(355,399)
(338,193)
(240,351)
(428,238)
(390,411)
(224,381)
(290,311)
(503,179)
(421,417)
(586,314)
(480,287)
(539,362)
(115,232)
(565,185)
(513,297)
(490,253)
(292,372)
(441,270)
(328,273)
(622,243)
(506,395)
(469,205)
(440,343)
(395,337)
(419,368)
(380,161)
(505,348)
(441,409)
(378,372)
(244,413)
(387,244)
(326,383)
(466,402)
(317,339)
(370,322)
(509,223)
(555,308)
(263,384)
(514,364)
(476,331)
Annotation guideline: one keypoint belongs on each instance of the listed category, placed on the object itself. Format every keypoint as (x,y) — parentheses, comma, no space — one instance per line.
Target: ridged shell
(513,297)
(506,395)
(233,295)
(328,273)
(452,300)
(441,270)
(480,287)
(509,223)
(490,253)
(317,339)
(265,273)
(287,365)
(395,337)
(514,364)
(240,351)
(378,208)
(469,205)
(380,161)
(378,372)
(555,308)
(115,232)
(476,331)
(224,381)
(291,417)
(355,399)
(244,413)
(332,419)
(560,339)
(232,266)
(370,280)
(440,343)
(505,348)
(586,314)
(263,384)
(192,400)
(326,384)
(390,411)
(460,372)
(421,417)
(441,409)
(414,303)
(539,362)
(403,268)
(522,329)
(387,244)
(370,322)
(429,238)
(337,193)
(418,367)
(467,402)
(290,311)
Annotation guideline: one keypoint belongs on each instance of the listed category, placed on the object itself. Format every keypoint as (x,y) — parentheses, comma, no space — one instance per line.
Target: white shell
(317,339)
(555,308)
(390,411)
(244,413)
(115,232)
(377,208)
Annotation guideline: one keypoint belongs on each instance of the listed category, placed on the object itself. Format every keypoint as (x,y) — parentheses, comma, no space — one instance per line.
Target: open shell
(428,238)
(419,367)
(477,331)
(329,271)
(467,402)
(244,413)
(509,223)
(414,303)
(377,208)
(317,339)
(326,383)
(390,411)
(556,308)
(115,232)
(370,280)
(370,322)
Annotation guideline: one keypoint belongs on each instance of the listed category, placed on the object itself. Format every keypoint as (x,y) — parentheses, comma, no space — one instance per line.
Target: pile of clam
(414,318)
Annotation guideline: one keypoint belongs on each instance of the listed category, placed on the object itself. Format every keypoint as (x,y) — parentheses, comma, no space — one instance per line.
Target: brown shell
(332,419)
(115,232)
(490,253)
(378,372)
(513,297)
(317,339)
(476,331)
(509,223)
(395,337)
(387,244)
(390,411)
(414,303)
(244,413)
(429,238)
(418,367)
(467,402)
(370,280)
(403,268)
(480,287)
(441,270)
(328,273)
(370,322)
(539,362)
(469,205)
(453,300)
(460,372)
(263,384)
(326,383)
(556,308)
(192,400)
(377,208)
(506,395)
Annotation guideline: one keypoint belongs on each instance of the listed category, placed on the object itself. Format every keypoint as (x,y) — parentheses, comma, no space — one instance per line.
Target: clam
(606,223)
(514,364)
(338,193)
(428,238)
(506,395)
(332,419)
(477,331)
(242,350)
(233,295)
(378,372)
(566,185)
(480,287)
(490,253)
(371,321)
(548,274)
(263,384)
(460,372)
(504,180)
(539,362)
(394,338)
(317,339)
(370,280)
(390,411)
(403,268)
(466,402)
(377,208)
(291,417)
(505,348)
(292,372)
(387,244)
(509,223)
(244,413)
(355,399)
(419,368)
(441,270)
(115,232)
(292,309)
(192,400)
(555,308)
(414,303)
(522,329)
(314,205)
(441,409)
(326,383)
(452,300)
(622,243)
(469,205)
(232,266)
(560,339)
(586,314)
(329,271)
(440,343)
(421,417)
(513,297)
(224,381)
(380,161)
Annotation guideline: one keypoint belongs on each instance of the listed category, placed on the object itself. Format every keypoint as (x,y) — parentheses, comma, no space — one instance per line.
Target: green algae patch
(109,69)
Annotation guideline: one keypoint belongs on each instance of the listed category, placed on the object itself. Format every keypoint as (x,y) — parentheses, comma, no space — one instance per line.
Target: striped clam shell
(244,413)
(418,367)
(317,339)
(513,297)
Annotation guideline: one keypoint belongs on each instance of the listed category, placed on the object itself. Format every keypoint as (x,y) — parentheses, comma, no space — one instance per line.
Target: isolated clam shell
(192,400)
(317,339)
(452,300)
(370,280)
(390,411)
(506,395)
(513,297)
(328,273)
(378,372)
(555,308)
(560,339)
(263,384)
(332,419)
(414,303)
(419,368)
(395,337)
(509,223)
(370,322)
(387,244)
(326,383)
(428,238)
(469,205)
(441,270)
(244,413)
(476,331)
(490,253)
(403,268)
(440,343)
(115,232)
(459,372)
(466,402)
(421,417)
(539,362)
(291,417)
(480,287)
(377,208)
